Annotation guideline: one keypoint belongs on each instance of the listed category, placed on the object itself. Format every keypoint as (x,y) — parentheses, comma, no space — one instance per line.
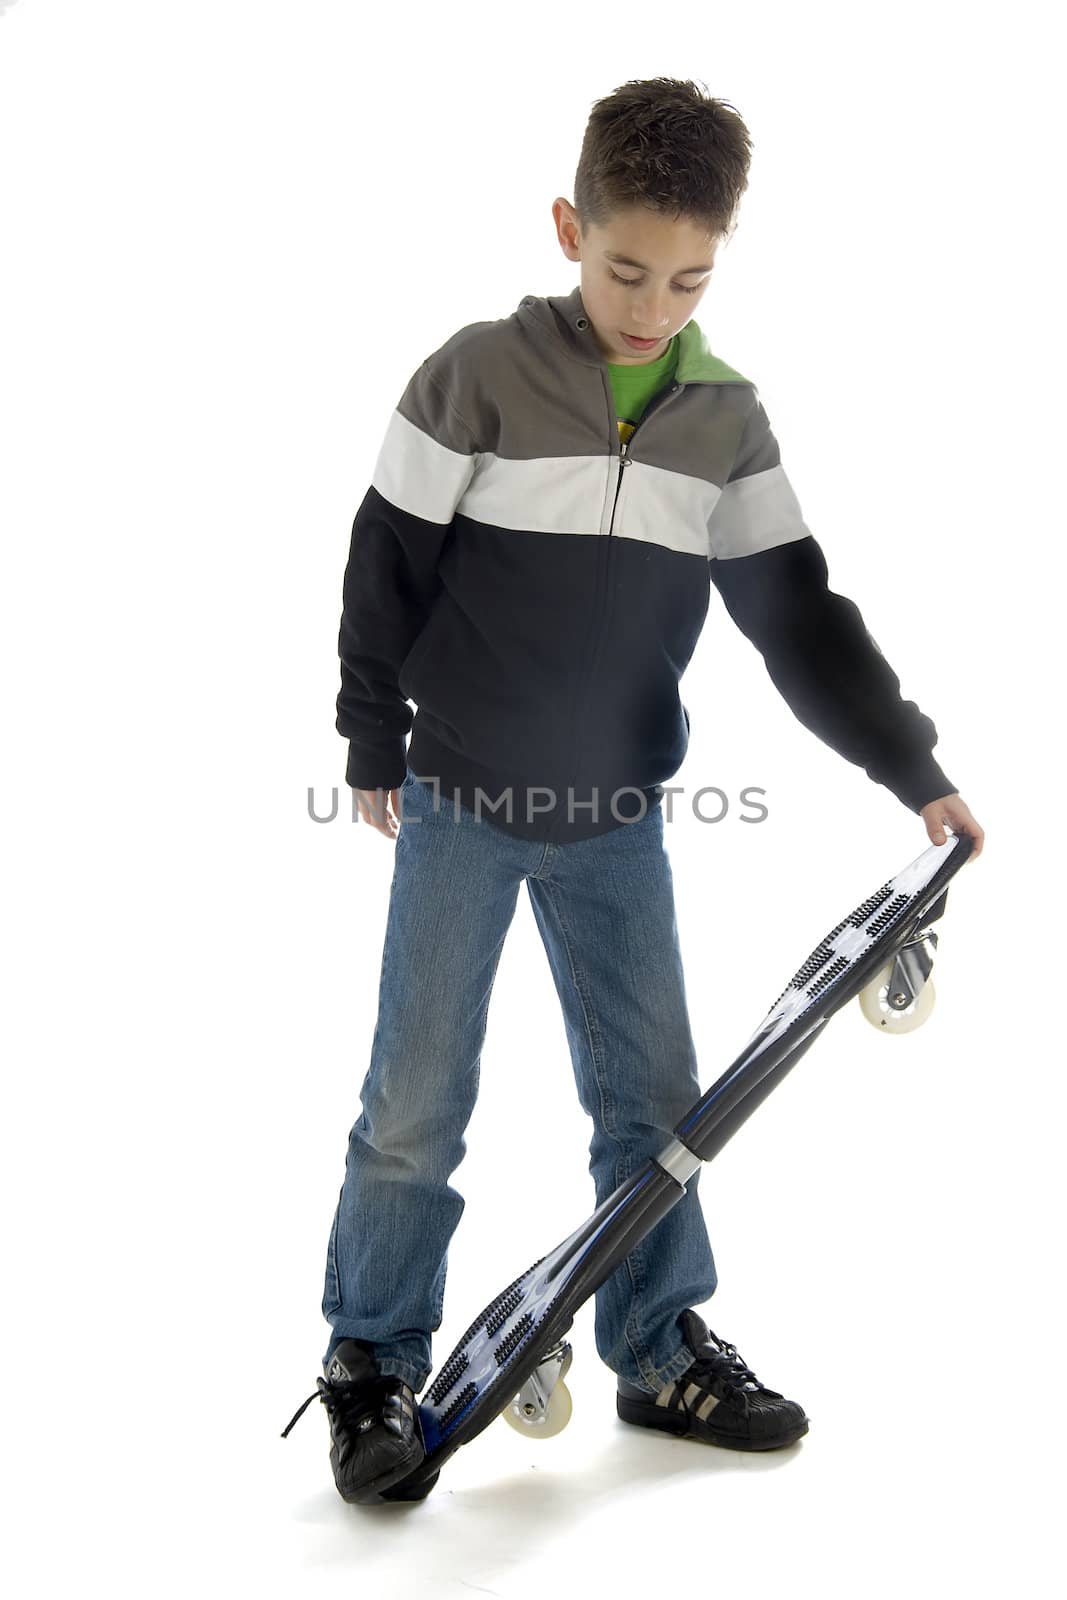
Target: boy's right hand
(371,804)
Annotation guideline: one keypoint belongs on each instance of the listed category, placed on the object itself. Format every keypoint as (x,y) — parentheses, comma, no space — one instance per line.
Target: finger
(372,809)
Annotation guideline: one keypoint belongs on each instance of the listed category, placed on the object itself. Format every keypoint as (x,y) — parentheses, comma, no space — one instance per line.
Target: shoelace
(728,1366)
(349,1403)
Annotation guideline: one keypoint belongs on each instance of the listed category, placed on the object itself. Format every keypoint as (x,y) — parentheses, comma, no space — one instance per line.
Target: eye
(681,288)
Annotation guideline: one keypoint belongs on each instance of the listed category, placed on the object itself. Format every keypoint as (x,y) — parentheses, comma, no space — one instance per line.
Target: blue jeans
(605,910)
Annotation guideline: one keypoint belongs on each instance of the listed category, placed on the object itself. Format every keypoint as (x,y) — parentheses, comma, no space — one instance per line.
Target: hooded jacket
(533,572)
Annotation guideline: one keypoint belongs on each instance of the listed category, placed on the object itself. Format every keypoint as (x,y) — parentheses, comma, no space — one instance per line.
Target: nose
(651,313)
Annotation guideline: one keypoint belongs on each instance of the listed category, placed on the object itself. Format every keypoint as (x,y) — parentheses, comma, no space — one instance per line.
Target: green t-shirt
(634,386)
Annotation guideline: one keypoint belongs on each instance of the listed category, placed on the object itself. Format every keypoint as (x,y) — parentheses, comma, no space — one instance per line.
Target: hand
(371,804)
(951,809)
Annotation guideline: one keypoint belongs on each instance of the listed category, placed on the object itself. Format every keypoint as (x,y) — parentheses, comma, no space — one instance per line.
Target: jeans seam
(438,1304)
(639,1348)
(591,1031)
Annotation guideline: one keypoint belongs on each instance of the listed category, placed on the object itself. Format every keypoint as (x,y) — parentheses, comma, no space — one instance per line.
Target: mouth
(640,344)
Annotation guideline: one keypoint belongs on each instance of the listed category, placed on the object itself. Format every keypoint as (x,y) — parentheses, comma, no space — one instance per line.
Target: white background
(231,231)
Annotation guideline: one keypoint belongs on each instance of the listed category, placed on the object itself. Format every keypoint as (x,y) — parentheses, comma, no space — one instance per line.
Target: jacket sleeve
(424,465)
(772,576)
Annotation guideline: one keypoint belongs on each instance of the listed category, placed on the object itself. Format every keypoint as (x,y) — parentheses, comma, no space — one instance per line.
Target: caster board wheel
(876,1007)
(542,1408)
(542,1424)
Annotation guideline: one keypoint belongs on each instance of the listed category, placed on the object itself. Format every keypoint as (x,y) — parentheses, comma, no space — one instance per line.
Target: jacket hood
(563,317)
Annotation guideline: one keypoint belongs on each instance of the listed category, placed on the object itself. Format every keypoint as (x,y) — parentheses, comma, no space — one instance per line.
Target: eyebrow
(628,261)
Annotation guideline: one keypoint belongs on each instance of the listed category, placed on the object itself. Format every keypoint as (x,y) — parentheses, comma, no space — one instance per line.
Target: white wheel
(556,1417)
(875,1005)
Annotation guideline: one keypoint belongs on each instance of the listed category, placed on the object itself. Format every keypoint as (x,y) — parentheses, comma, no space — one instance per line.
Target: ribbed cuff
(376,766)
(919,783)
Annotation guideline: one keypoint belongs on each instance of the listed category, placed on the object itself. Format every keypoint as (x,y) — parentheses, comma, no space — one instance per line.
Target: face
(653,292)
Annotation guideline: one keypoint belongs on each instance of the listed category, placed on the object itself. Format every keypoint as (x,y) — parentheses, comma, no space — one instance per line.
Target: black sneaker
(717,1399)
(374,1426)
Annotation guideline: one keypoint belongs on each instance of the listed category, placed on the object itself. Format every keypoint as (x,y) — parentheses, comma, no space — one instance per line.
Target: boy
(556,492)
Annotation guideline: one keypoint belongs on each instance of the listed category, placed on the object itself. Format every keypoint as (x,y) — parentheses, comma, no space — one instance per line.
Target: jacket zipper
(624,458)
(624,461)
